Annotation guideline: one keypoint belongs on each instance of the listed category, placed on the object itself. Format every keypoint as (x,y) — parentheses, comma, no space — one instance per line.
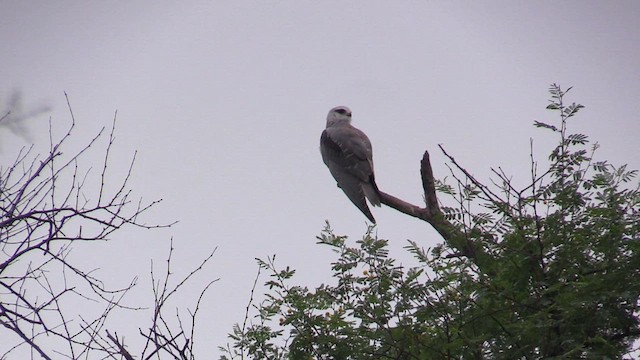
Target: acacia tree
(47,204)
(546,271)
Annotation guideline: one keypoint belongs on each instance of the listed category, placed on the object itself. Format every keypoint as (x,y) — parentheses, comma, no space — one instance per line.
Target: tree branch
(432,214)
(121,349)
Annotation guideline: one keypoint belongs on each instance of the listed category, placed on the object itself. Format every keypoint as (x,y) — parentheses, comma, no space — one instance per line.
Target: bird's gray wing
(352,187)
(349,171)
(349,148)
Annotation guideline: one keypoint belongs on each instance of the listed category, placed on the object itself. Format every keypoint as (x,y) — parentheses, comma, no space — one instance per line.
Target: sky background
(225,102)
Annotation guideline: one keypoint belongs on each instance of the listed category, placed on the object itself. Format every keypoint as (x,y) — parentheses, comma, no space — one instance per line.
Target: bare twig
(121,349)
(161,336)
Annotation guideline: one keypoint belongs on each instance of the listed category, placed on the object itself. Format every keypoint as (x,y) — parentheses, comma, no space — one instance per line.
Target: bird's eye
(341,111)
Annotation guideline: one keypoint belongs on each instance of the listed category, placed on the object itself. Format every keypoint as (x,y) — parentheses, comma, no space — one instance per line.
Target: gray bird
(347,153)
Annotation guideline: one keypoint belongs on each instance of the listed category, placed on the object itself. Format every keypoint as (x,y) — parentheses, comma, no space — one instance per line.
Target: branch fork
(432,214)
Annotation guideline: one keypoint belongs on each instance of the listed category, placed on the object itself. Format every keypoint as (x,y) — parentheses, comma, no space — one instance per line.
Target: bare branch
(121,349)
(43,211)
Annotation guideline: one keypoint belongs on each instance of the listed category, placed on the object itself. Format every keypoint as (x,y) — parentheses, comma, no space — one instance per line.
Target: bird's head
(339,115)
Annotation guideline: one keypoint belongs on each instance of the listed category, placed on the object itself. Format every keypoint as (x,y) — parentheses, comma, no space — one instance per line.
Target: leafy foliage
(560,279)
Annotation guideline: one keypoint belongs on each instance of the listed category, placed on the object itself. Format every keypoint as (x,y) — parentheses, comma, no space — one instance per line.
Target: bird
(347,153)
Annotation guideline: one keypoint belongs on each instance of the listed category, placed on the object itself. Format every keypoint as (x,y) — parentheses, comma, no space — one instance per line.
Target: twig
(120,346)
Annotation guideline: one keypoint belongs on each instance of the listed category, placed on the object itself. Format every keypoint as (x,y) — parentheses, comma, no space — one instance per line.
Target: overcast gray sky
(225,102)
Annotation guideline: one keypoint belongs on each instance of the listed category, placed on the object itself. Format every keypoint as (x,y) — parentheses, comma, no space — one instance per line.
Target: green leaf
(543,125)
